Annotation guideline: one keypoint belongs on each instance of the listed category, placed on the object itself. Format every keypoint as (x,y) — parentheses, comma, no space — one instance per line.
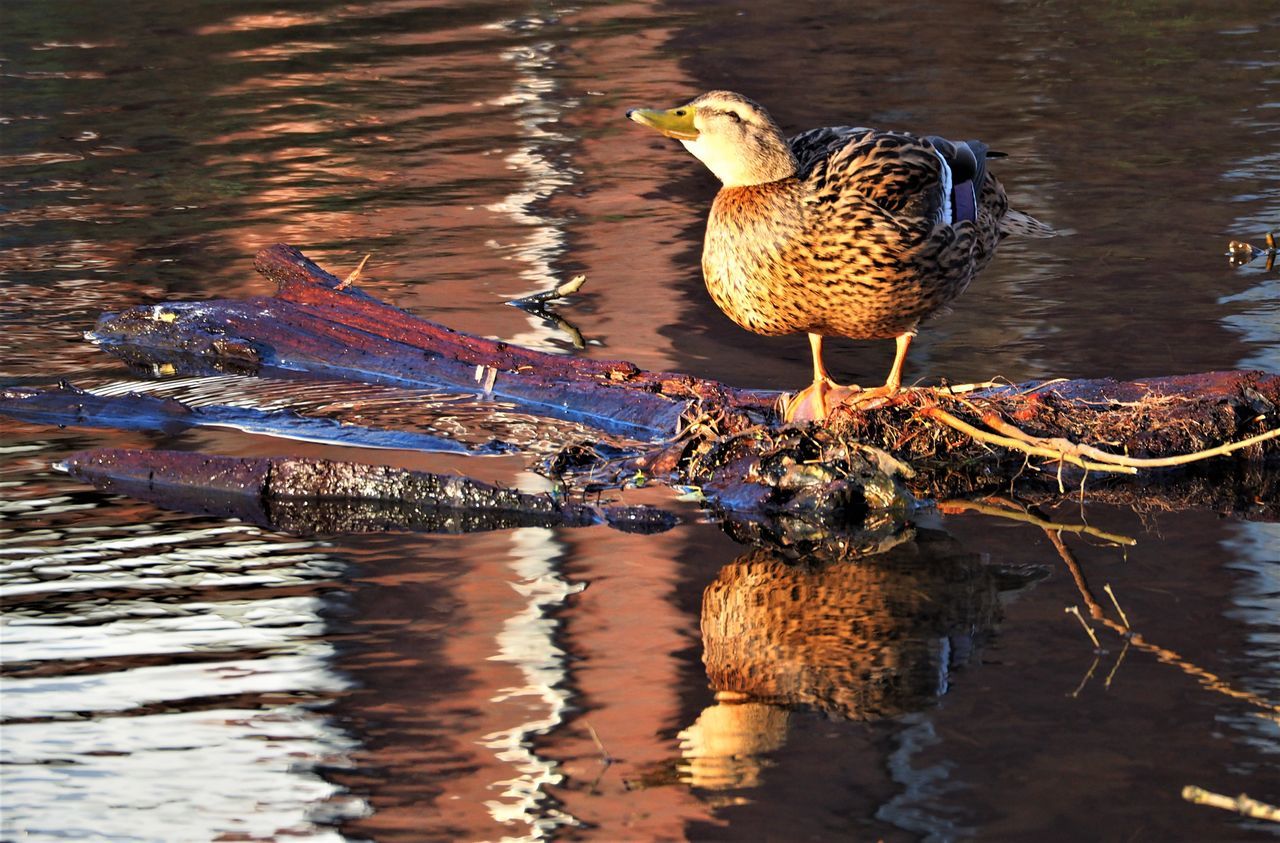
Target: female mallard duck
(838,232)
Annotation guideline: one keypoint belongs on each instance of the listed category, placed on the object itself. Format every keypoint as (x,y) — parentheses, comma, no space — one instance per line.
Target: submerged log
(936,442)
(67,406)
(306,496)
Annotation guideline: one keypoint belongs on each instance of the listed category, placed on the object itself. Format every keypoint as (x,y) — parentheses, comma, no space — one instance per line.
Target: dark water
(171,677)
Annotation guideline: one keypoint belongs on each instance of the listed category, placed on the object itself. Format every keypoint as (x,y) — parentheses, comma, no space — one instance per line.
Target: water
(172,677)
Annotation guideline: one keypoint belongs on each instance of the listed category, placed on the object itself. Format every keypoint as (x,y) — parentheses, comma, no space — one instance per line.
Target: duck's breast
(750,257)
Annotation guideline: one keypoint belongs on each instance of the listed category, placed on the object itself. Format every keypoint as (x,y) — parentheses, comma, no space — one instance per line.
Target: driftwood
(312,328)
(305,496)
(726,442)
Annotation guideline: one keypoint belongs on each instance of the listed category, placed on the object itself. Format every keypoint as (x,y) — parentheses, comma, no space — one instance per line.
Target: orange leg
(815,402)
(894,381)
(893,384)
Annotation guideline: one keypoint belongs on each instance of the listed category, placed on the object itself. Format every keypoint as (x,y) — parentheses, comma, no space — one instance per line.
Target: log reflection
(860,637)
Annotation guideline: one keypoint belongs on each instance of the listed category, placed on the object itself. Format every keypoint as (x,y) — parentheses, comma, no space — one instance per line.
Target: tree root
(1055,449)
(1062,450)
(1134,639)
(1147,421)
(1002,508)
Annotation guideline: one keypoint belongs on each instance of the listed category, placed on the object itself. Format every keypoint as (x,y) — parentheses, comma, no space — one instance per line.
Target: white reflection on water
(148,691)
(537,111)
(527,640)
(141,627)
(923,804)
(1256,182)
(1258,323)
(123,691)
(174,776)
(1256,551)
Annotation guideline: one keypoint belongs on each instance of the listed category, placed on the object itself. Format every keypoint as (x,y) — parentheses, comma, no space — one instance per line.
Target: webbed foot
(816,401)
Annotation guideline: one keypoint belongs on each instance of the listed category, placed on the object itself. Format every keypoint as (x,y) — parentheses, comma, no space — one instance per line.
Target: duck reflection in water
(860,634)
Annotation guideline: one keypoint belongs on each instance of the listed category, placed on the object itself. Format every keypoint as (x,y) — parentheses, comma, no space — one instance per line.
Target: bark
(311,328)
(305,496)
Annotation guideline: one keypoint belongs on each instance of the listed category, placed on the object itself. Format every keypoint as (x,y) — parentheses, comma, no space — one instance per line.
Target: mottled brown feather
(850,246)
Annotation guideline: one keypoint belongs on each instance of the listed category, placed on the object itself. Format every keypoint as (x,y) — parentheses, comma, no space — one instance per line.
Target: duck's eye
(733,115)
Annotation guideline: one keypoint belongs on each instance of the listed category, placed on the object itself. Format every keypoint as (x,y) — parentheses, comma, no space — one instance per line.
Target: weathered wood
(326,496)
(275,336)
(300,280)
(312,328)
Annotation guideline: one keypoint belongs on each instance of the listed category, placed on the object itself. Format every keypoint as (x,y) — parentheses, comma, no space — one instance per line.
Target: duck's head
(734,136)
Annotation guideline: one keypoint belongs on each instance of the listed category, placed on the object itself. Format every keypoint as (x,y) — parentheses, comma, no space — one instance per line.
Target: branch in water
(536,300)
(324,496)
(1241,804)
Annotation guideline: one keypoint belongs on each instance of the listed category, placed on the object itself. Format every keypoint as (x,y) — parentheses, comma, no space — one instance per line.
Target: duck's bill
(674,122)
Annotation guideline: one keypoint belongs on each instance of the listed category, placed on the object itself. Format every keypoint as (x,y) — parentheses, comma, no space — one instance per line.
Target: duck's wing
(885,205)
(920,181)
(817,145)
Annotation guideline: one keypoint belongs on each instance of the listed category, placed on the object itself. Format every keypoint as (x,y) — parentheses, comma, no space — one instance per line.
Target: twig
(1116,666)
(955,506)
(604,753)
(1075,610)
(534,304)
(535,300)
(1073,449)
(1116,603)
(575,335)
(1087,676)
(1207,679)
(354,274)
(1041,386)
(1240,804)
(1082,585)
(962,388)
(606,760)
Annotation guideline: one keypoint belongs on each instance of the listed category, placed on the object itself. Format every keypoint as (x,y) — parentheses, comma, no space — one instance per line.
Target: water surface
(168,676)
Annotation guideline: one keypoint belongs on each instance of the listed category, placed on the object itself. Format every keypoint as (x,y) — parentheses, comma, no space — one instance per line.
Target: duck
(839,231)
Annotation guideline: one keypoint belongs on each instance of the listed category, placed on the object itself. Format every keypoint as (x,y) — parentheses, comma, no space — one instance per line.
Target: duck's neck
(757,159)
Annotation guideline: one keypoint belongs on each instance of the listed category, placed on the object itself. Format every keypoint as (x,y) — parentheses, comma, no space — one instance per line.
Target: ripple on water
(170,657)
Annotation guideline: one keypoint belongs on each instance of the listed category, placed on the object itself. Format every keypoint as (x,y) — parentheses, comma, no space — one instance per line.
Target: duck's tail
(1024,225)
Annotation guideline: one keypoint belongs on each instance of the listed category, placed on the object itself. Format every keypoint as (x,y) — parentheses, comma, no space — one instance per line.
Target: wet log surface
(306,496)
(725,441)
(311,327)
(67,406)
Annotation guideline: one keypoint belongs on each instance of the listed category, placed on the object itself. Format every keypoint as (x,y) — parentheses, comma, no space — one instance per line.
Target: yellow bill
(674,122)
